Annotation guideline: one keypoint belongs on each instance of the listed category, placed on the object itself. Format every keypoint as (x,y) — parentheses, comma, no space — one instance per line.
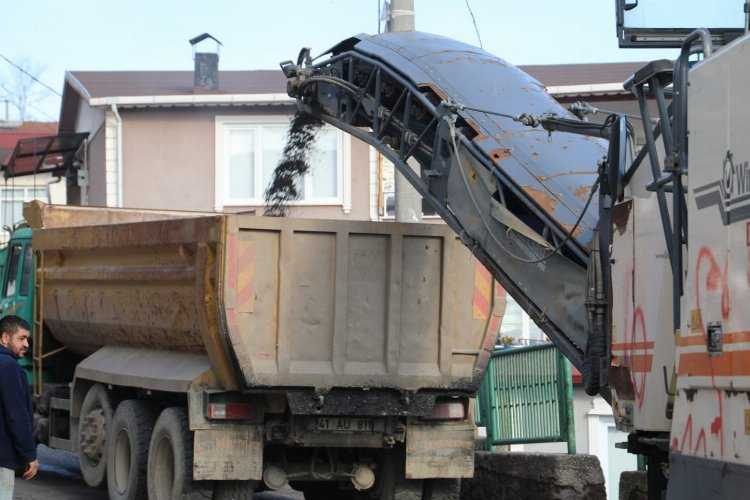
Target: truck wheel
(170,457)
(127,450)
(94,419)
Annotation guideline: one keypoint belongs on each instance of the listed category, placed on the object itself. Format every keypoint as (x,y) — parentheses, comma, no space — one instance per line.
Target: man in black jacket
(17,447)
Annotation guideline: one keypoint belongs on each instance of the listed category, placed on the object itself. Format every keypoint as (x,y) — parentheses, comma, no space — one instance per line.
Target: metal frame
(68,154)
(515,393)
(672,128)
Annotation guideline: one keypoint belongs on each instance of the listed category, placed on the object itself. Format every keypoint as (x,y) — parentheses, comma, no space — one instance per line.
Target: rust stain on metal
(500,154)
(437,90)
(546,201)
(582,192)
(474,126)
(569,227)
(621,215)
(542,178)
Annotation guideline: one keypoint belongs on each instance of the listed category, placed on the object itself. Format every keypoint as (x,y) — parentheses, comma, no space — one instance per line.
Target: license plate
(345,424)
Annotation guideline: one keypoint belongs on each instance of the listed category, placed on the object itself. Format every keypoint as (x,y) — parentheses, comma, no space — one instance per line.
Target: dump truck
(220,354)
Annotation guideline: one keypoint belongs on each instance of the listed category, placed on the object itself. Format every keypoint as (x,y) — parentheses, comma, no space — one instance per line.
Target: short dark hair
(11,324)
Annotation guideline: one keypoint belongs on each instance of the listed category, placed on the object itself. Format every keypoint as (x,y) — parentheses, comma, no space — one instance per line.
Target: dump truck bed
(277,302)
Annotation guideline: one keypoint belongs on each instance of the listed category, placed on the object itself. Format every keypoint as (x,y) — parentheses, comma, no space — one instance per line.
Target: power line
(9,98)
(19,68)
(39,110)
(473,20)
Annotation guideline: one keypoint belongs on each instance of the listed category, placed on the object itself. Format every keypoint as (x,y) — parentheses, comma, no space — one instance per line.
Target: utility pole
(401,16)
(408,200)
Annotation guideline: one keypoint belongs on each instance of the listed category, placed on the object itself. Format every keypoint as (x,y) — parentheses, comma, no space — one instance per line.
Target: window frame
(224,124)
(27,269)
(12,273)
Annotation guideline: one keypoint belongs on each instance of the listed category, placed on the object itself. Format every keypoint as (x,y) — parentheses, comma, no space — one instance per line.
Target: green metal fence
(527,397)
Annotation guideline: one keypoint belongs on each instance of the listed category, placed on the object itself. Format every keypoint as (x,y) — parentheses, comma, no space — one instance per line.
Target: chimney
(206,72)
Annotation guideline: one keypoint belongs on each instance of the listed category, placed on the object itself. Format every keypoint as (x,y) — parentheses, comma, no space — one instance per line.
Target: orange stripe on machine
(640,363)
(632,346)
(727,338)
(725,364)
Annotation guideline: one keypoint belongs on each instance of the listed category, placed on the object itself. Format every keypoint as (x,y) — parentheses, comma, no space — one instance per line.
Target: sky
(54,36)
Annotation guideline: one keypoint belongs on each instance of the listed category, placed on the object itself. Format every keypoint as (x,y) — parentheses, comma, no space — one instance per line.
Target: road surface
(59,478)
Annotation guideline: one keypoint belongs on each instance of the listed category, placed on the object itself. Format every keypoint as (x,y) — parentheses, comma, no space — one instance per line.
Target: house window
(12,200)
(388,193)
(518,328)
(249,149)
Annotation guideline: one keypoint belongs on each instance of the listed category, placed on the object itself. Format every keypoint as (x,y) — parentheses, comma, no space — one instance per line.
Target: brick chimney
(206,72)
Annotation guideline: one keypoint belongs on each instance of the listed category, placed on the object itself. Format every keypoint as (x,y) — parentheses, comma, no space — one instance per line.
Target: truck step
(59,403)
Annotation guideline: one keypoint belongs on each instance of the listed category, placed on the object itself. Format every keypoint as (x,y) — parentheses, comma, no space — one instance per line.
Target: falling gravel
(293,165)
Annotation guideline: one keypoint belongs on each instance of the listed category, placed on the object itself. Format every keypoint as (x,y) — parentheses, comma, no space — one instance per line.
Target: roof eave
(587,89)
(193,100)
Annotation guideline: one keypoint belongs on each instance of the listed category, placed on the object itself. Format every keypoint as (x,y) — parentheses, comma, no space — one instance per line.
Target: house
(166,140)
(14,192)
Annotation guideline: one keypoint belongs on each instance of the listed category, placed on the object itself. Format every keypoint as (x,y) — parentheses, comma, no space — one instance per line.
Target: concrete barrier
(633,485)
(508,475)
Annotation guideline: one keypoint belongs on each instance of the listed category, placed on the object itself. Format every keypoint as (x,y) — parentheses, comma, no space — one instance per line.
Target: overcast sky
(54,36)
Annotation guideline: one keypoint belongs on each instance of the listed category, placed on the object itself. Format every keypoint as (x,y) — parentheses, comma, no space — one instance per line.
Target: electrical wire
(555,250)
(19,68)
(474,21)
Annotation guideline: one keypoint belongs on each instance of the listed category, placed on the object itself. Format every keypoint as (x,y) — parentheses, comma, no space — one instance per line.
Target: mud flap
(228,453)
(439,449)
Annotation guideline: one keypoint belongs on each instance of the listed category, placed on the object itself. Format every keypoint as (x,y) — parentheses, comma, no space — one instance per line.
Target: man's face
(17,343)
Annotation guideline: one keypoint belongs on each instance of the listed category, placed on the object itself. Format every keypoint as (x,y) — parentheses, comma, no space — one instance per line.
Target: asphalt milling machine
(589,235)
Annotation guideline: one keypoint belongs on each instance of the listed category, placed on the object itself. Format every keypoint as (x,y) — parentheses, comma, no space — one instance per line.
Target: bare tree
(20,86)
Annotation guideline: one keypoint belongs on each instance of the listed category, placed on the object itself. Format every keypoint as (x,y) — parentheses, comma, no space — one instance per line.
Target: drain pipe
(118,118)
(54,180)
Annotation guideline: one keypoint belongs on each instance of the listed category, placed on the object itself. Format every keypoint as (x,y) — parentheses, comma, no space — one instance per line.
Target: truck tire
(94,420)
(127,450)
(170,457)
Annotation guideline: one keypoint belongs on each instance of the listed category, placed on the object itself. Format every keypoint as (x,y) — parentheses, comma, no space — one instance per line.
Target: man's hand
(31,470)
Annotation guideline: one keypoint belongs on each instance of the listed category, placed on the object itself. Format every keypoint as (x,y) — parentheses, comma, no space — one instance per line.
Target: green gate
(527,397)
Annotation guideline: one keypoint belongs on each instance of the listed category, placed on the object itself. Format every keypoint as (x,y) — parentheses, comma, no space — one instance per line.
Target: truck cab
(17,285)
